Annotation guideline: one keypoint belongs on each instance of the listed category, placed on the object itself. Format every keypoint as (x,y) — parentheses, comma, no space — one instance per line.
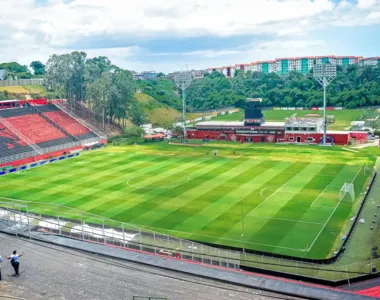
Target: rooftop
(237,124)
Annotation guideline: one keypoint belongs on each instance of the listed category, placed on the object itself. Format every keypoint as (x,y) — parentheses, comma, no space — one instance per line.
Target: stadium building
(254,129)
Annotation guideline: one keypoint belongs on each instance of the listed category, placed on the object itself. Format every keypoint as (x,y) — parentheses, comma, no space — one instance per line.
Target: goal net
(347,193)
(368,170)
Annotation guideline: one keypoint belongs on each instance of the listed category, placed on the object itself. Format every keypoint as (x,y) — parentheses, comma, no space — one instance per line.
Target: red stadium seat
(71,125)
(34,127)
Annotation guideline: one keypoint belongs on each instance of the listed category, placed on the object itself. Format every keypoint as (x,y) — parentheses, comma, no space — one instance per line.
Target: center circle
(169,182)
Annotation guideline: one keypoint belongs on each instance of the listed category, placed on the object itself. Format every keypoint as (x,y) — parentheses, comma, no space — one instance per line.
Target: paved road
(52,272)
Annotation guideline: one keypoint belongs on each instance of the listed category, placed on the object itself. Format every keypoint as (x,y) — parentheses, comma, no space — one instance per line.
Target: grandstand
(29,129)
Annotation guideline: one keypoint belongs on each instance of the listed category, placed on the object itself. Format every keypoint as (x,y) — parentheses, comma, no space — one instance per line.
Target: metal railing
(90,141)
(18,156)
(36,219)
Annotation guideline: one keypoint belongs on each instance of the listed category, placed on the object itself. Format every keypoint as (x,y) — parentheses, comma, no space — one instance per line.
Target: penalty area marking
(264,189)
(312,244)
(287,220)
(275,192)
(312,204)
(158,187)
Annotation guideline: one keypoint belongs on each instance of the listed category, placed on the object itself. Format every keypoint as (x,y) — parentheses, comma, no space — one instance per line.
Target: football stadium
(267,198)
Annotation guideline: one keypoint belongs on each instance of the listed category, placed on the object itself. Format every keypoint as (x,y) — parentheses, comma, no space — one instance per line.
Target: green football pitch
(285,199)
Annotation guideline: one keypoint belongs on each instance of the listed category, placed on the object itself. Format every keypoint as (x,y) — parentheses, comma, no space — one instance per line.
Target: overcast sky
(167,35)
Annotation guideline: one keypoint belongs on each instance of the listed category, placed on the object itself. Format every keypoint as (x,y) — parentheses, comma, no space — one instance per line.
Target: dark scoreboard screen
(253,113)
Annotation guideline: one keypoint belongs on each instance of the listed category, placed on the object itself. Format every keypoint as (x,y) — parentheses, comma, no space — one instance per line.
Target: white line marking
(275,192)
(288,220)
(157,187)
(264,189)
(220,238)
(319,196)
(350,150)
(312,244)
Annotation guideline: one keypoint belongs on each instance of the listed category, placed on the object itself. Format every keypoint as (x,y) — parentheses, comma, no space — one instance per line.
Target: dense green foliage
(94,83)
(4,95)
(16,70)
(38,68)
(133,132)
(162,90)
(353,87)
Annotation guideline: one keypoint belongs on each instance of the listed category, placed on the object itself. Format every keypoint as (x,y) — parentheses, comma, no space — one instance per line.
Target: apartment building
(302,64)
(285,65)
(370,61)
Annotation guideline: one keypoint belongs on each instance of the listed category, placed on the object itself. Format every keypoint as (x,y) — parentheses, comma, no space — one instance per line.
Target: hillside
(353,87)
(155,112)
(22,91)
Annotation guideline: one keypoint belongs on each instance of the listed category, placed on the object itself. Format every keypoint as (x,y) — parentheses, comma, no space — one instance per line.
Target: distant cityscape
(281,66)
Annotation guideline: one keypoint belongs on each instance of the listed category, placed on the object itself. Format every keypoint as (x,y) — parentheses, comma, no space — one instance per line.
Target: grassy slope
(30,89)
(162,115)
(157,113)
(343,118)
(193,195)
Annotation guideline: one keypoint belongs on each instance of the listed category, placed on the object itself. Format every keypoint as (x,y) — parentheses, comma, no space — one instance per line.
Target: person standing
(15,261)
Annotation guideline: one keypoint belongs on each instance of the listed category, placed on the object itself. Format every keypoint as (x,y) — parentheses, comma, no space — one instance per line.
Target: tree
(353,87)
(38,67)
(133,132)
(16,70)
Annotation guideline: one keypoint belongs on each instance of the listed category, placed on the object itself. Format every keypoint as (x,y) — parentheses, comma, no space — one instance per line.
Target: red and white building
(293,131)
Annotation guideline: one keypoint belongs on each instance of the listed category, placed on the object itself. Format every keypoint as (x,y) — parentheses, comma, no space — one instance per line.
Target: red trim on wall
(28,160)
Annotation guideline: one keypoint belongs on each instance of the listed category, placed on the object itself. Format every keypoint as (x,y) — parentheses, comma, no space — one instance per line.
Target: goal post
(368,169)
(347,193)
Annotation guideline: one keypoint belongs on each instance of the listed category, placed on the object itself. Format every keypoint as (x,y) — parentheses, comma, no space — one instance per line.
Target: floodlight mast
(324,74)
(182,81)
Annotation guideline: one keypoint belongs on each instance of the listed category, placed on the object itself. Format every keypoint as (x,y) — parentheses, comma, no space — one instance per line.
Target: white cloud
(367,3)
(31,31)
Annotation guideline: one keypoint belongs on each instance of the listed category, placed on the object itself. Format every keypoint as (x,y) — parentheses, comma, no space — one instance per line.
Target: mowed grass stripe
(86,202)
(293,211)
(255,225)
(193,209)
(251,197)
(268,233)
(57,171)
(180,201)
(60,193)
(217,178)
(130,201)
(219,216)
(255,198)
(170,199)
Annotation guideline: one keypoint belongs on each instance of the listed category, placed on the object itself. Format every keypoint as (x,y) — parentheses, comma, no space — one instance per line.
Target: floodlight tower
(324,74)
(183,80)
